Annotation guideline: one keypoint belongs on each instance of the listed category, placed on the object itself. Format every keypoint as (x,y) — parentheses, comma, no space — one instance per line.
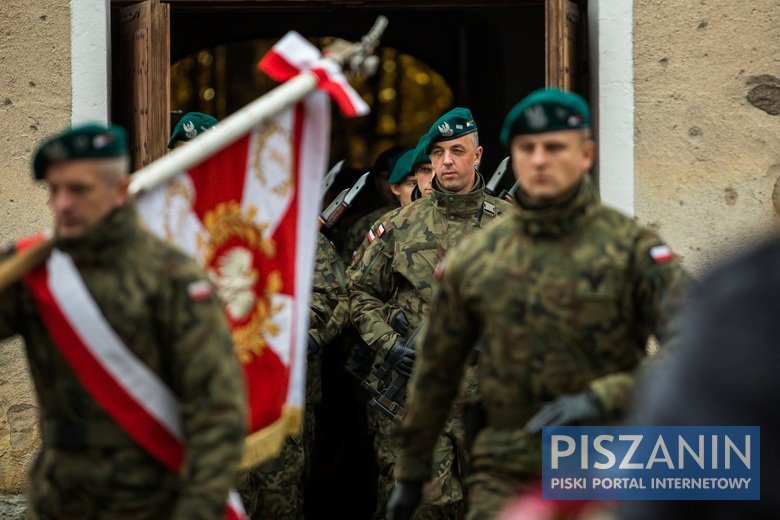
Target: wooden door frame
(145,51)
(144,40)
(561,19)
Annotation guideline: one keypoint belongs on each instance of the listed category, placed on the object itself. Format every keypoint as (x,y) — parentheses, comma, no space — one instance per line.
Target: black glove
(404,500)
(401,357)
(566,410)
(400,323)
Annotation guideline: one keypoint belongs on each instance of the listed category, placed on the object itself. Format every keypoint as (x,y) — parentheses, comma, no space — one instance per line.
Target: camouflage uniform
(357,233)
(563,299)
(395,274)
(88,466)
(275,488)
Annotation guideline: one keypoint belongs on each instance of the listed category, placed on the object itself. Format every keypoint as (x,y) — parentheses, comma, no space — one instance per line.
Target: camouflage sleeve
(337,321)
(9,302)
(442,349)
(327,293)
(660,284)
(360,250)
(371,284)
(207,379)
(355,237)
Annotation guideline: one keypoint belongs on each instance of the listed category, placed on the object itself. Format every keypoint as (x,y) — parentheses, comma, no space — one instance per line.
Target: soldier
(358,229)
(142,407)
(411,167)
(391,284)
(189,127)
(402,180)
(562,296)
(275,488)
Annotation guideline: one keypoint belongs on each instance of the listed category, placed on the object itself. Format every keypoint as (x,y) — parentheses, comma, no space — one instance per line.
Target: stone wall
(35,93)
(707,95)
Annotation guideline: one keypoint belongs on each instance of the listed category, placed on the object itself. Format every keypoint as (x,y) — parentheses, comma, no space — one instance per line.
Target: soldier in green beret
(402,180)
(142,407)
(191,125)
(562,296)
(391,285)
(380,172)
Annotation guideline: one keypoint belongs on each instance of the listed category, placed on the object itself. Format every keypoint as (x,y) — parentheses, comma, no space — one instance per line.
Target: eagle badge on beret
(536,117)
(56,151)
(189,130)
(445,129)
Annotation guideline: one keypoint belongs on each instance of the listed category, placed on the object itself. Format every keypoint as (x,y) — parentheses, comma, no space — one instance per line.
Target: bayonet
(342,202)
(327,181)
(495,179)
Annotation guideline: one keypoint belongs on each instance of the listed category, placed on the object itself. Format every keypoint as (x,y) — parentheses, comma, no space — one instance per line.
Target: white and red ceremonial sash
(248,215)
(294,54)
(129,392)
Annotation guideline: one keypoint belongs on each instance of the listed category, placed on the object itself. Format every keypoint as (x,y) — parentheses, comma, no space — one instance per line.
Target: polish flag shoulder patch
(371,236)
(661,254)
(380,230)
(199,291)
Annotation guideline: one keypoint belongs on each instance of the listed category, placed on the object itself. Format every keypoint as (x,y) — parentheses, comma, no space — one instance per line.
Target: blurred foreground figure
(722,371)
(142,404)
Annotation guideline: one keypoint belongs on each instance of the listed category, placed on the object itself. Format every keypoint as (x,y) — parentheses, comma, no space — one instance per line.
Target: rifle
(390,393)
(342,203)
(495,179)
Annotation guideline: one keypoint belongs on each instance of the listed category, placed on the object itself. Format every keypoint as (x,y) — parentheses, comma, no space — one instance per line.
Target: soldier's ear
(123,190)
(588,154)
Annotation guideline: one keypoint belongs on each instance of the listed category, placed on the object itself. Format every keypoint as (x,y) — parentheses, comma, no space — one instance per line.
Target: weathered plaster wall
(35,97)
(707,99)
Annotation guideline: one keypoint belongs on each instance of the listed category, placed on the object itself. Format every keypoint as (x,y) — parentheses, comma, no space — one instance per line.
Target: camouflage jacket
(327,312)
(357,233)
(146,291)
(562,298)
(328,290)
(395,272)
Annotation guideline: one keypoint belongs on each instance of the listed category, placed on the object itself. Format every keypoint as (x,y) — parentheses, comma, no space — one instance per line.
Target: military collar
(459,204)
(102,244)
(559,219)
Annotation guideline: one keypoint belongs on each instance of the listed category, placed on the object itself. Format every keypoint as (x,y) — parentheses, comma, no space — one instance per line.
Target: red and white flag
(248,215)
(293,54)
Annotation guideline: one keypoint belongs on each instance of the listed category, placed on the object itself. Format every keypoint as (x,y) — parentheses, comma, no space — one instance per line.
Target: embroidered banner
(248,215)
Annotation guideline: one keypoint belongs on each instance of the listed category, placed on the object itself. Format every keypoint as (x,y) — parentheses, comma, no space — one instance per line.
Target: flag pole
(359,58)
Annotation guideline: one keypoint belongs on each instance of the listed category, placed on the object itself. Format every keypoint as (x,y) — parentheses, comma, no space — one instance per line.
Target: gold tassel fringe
(265,444)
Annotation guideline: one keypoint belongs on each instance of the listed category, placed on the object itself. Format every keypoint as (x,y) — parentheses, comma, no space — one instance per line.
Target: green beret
(455,123)
(546,110)
(189,126)
(88,141)
(421,154)
(402,167)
